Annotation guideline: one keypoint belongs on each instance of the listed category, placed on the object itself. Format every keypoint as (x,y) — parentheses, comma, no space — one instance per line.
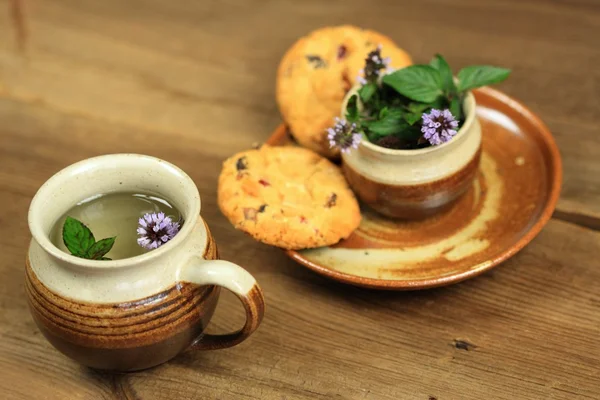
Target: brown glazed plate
(511,199)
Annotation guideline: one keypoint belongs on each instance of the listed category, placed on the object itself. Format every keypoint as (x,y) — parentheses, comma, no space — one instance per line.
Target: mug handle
(199,271)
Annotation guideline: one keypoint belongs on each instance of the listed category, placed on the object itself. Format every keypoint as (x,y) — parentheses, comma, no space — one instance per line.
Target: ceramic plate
(510,201)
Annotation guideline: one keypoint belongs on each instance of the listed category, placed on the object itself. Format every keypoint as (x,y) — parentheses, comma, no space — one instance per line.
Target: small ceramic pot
(413,184)
(138,312)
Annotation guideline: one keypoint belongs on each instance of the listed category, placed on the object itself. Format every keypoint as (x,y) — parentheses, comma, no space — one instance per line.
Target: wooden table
(193,82)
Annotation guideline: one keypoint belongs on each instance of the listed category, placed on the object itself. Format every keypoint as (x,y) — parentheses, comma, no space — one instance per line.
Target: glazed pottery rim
(192,213)
(469,106)
(554,172)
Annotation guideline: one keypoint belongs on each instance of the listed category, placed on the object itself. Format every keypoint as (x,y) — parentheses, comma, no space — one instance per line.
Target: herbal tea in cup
(116,226)
(122,272)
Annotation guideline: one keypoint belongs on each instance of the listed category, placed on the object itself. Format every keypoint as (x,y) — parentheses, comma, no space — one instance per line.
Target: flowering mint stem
(374,63)
(156,229)
(343,135)
(439,126)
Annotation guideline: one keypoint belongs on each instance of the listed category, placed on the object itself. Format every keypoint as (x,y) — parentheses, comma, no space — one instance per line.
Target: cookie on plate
(316,73)
(288,197)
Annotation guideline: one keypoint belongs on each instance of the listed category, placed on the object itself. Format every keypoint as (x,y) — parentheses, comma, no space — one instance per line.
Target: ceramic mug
(138,312)
(413,184)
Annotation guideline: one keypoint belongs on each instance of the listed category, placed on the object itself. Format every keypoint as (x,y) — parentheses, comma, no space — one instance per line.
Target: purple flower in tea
(374,63)
(343,135)
(156,229)
(439,126)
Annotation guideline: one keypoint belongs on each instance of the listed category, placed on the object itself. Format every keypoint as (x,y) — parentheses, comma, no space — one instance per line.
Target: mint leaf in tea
(100,248)
(81,242)
(117,218)
(77,237)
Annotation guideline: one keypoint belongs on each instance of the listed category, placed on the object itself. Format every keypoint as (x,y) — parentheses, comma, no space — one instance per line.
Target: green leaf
(415,107)
(352,109)
(411,118)
(417,82)
(77,237)
(100,248)
(480,75)
(443,68)
(415,111)
(367,91)
(396,123)
(456,107)
(383,112)
(391,123)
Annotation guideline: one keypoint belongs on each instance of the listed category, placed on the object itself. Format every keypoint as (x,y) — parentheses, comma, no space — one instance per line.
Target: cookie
(316,73)
(288,197)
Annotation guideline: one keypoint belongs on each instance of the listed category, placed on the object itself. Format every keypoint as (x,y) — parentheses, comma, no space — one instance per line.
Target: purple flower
(360,78)
(439,126)
(374,63)
(154,230)
(343,135)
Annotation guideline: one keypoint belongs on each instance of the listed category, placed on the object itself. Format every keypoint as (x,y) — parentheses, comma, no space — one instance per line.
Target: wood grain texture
(193,82)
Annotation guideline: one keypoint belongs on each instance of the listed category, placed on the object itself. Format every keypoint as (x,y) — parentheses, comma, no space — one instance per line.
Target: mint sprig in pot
(410,139)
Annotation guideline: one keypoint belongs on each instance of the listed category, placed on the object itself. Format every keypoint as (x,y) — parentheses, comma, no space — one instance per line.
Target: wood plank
(203,70)
(193,82)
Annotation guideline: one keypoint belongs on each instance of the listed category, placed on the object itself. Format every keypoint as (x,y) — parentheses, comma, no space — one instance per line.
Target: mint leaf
(480,75)
(415,107)
(100,248)
(440,103)
(352,109)
(383,112)
(395,123)
(415,112)
(417,82)
(440,64)
(391,122)
(367,91)
(456,107)
(411,118)
(77,237)
(81,243)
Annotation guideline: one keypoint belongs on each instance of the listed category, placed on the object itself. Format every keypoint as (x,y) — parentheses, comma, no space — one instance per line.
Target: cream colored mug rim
(192,214)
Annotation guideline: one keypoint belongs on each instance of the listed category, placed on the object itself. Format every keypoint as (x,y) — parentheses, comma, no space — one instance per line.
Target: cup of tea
(152,294)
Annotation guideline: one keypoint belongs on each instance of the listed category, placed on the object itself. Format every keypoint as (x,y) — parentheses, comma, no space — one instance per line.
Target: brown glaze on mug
(132,335)
(413,201)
